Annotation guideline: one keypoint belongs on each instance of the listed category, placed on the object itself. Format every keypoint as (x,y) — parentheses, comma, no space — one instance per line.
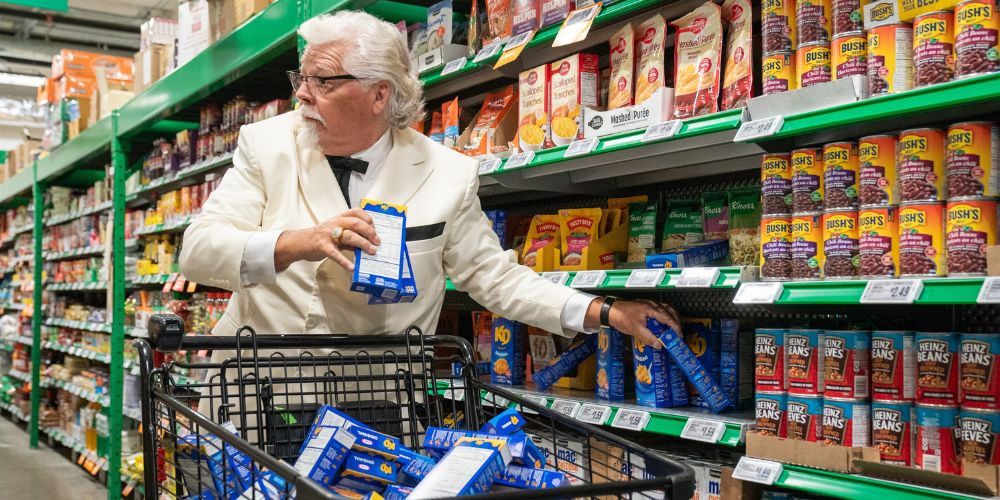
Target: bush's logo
(959,138)
(818,56)
(883,12)
(910,219)
(836,155)
(775,166)
(974,13)
(964,215)
(868,152)
(774,65)
(854,47)
(802,161)
(871,219)
(912,144)
(840,223)
(772,5)
(930,27)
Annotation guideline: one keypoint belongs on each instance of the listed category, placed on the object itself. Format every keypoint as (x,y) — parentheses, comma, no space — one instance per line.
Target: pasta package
(622,59)
(683,226)
(651,39)
(449,118)
(495,107)
(543,231)
(697,52)
(744,226)
(578,227)
(499,25)
(737,83)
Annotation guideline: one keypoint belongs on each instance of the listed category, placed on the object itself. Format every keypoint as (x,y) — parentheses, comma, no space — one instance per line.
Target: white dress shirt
(258,255)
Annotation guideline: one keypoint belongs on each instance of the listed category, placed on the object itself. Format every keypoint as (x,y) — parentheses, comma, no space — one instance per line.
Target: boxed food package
(703,338)
(542,348)
(508,422)
(482,331)
(612,365)
(468,468)
(578,227)
(527,16)
(197,28)
(83,64)
(573,84)
(554,11)
(380,275)
(498,221)
(715,209)
(368,471)
(486,134)
(566,455)
(396,492)
(328,416)
(508,352)
(565,362)
(685,359)
(543,231)
(235,12)
(416,468)
(744,226)
(231,470)
(375,443)
(683,225)
(325,450)
(517,476)
(532,109)
(658,381)
(641,231)
(735,378)
(692,256)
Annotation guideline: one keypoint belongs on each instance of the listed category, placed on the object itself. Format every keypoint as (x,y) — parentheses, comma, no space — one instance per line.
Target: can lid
(806,150)
(931,13)
(980,410)
(846,34)
(848,332)
(775,53)
(876,136)
(846,400)
(840,210)
(806,214)
(937,334)
(806,396)
(770,393)
(916,203)
(972,122)
(935,406)
(891,332)
(817,43)
(973,198)
(877,206)
(805,330)
(920,129)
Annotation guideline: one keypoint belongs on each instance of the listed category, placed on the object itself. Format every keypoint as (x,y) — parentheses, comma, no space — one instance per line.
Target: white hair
(378,53)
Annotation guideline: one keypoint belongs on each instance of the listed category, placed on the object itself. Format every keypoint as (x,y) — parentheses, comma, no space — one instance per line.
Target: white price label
(632,420)
(708,431)
(990,292)
(557,277)
(566,407)
(759,128)
(892,291)
(756,470)
(496,400)
(539,400)
(519,40)
(699,277)
(663,130)
(758,293)
(488,52)
(645,278)
(593,414)
(489,165)
(519,160)
(454,66)
(588,279)
(581,147)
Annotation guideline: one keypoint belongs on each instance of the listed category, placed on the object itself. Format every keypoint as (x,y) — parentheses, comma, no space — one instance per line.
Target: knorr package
(715,206)
(449,118)
(578,227)
(651,38)
(498,25)
(697,53)
(641,231)
(622,58)
(683,226)
(744,226)
(495,107)
(737,83)
(543,231)
(437,128)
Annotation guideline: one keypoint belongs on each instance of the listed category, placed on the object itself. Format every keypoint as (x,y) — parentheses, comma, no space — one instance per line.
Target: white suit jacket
(275,183)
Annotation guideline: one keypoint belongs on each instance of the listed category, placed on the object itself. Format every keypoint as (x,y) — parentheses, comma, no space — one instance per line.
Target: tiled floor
(41,473)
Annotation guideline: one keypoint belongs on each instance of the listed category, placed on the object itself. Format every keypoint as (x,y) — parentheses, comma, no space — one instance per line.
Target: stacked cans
(894,373)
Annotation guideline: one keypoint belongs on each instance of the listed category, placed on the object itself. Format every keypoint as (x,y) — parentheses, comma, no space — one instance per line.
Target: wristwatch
(606,311)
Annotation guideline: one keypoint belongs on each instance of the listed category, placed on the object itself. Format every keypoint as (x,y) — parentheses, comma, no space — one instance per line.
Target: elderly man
(281,229)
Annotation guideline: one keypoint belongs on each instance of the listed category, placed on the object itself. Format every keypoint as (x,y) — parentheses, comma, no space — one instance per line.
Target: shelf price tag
(707,431)
(539,400)
(581,147)
(513,49)
(588,279)
(593,414)
(756,470)
(756,129)
(892,291)
(664,130)
(765,292)
(697,277)
(566,407)
(454,66)
(519,160)
(577,25)
(557,277)
(990,292)
(632,420)
(489,165)
(645,278)
(488,52)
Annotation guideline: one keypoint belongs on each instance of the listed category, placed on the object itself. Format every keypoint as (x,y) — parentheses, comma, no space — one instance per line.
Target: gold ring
(336,234)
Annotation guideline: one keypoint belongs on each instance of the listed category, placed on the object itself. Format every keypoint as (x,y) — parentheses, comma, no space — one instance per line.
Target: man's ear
(382,93)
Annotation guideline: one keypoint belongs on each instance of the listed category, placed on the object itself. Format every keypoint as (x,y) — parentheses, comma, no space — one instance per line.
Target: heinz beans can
(803,417)
(846,422)
(894,366)
(846,361)
(937,368)
(979,371)
(804,361)
(937,436)
(770,411)
(978,431)
(769,360)
(892,432)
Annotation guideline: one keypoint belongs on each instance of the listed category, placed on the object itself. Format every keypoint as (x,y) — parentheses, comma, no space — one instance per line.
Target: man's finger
(664,318)
(366,230)
(646,337)
(359,214)
(334,254)
(352,239)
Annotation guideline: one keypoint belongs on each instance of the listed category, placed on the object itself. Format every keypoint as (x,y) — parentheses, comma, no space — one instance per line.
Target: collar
(376,154)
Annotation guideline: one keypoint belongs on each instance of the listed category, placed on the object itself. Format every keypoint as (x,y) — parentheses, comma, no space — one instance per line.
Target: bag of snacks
(744,226)
(449,118)
(437,128)
(651,39)
(499,25)
(543,231)
(737,85)
(697,52)
(715,206)
(641,231)
(578,227)
(622,58)
(683,226)
(439,24)
(495,107)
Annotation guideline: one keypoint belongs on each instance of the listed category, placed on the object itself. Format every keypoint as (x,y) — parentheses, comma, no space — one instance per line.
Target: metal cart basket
(259,400)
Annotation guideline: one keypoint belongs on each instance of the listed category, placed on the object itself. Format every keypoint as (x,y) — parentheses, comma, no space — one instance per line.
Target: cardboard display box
(993,260)
(818,455)
(151,64)
(735,489)
(977,480)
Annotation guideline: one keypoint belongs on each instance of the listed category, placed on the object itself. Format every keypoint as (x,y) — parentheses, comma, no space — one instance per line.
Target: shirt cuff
(258,259)
(574,312)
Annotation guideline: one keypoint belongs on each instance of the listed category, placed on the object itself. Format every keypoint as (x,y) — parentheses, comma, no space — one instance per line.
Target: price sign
(519,160)
(577,25)
(756,470)
(990,292)
(101,463)
(645,278)
(708,431)
(566,407)
(697,277)
(488,52)
(756,129)
(519,40)
(129,486)
(593,414)
(588,279)
(663,130)
(513,48)
(454,66)
(539,400)
(557,277)
(758,293)
(632,420)
(581,147)
(892,291)
(489,165)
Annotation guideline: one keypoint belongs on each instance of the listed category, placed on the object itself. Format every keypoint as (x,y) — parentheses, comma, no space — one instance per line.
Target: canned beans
(920,162)
(890,60)
(972,159)
(807,180)
(849,53)
(769,360)
(812,21)
(877,170)
(976,50)
(937,368)
(812,64)
(979,371)
(979,430)
(807,246)
(971,227)
(776,247)
(776,183)
(846,422)
(846,362)
(892,432)
(894,366)
(921,239)
(878,242)
(840,175)
(937,435)
(840,244)
(770,413)
(778,25)
(803,415)
(933,41)
(846,16)
(779,73)
(804,361)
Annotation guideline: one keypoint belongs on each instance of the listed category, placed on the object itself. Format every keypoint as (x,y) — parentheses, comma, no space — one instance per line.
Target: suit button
(311,323)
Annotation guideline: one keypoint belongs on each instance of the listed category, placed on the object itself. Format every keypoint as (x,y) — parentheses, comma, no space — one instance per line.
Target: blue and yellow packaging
(509,351)
(328,416)
(325,451)
(685,359)
(380,275)
(352,494)
(438,440)
(524,451)
(416,469)
(408,292)
(612,372)
(232,471)
(374,442)
(508,422)
(565,362)
(517,476)
(269,486)
(498,221)
(396,492)
(469,468)
(370,468)
(658,384)
(703,338)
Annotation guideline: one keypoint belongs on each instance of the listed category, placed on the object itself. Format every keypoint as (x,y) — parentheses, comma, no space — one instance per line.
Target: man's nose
(303,94)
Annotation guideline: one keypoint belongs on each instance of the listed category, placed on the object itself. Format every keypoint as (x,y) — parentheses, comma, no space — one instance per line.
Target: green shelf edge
(855,486)
(729,277)
(937,291)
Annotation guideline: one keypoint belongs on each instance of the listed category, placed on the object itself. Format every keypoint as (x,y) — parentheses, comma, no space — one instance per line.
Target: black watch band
(606,311)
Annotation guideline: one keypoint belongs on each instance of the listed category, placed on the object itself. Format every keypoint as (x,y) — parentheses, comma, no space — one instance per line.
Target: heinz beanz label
(937,368)
(892,432)
(894,366)
(846,422)
(979,430)
(979,371)
(769,360)
(803,417)
(804,361)
(847,358)
(770,413)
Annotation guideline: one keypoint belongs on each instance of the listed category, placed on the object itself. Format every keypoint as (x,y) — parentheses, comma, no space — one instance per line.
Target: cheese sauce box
(517,476)
(380,275)
(509,351)
(373,442)
(468,469)
(658,382)
(325,451)
(612,365)
(565,362)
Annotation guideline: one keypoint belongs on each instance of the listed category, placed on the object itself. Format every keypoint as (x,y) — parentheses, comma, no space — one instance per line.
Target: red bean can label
(769,362)
(978,435)
(813,20)
(970,229)
(894,366)
(892,432)
(770,412)
(979,371)
(847,16)
(938,438)
(937,368)
(846,362)
(803,417)
(877,170)
(804,361)
(972,159)
(933,38)
(976,42)
(846,422)
(778,24)
(920,153)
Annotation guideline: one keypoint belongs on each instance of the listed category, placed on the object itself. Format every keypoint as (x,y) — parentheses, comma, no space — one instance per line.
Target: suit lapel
(316,181)
(404,171)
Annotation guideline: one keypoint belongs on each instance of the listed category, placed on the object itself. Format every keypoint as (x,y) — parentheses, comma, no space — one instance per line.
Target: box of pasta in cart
(381,275)
(509,352)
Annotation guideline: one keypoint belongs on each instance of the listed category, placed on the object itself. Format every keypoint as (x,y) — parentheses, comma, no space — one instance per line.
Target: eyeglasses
(316,84)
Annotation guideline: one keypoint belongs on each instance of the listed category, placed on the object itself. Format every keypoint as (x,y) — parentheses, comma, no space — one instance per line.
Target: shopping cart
(270,387)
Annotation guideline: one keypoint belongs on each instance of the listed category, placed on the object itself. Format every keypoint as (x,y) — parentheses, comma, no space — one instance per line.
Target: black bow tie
(347,163)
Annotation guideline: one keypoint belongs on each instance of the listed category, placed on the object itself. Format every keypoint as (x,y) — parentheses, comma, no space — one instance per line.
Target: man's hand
(629,317)
(317,243)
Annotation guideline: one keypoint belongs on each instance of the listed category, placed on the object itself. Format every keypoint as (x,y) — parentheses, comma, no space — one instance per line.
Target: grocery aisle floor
(41,473)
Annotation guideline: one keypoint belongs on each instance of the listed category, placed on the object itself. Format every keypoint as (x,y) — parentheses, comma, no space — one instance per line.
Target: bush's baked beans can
(840,175)
(938,438)
(804,417)
(807,180)
(847,16)
(776,247)
(933,48)
(978,433)
(921,239)
(890,59)
(778,73)
(970,228)
(979,371)
(846,361)
(778,25)
(770,412)
(776,183)
(937,368)
(813,21)
(920,157)
(812,64)
(769,360)
(840,244)
(846,422)
(849,55)
(894,366)
(972,159)
(807,246)
(892,432)
(878,242)
(976,45)
(804,361)
(877,170)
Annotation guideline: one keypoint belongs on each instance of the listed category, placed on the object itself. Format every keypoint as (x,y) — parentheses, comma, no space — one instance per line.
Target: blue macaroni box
(528,478)
(611,370)
(703,338)
(416,469)
(565,362)
(365,466)
(374,442)
(506,423)
(690,366)
(408,292)
(380,275)
(736,386)
(469,468)
(328,416)
(509,340)
(326,450)
(269,486)
(498,221)
(658,384)
(396,492)
(231,470)
(525,451)
(438,441)
(360,486)
(691,256)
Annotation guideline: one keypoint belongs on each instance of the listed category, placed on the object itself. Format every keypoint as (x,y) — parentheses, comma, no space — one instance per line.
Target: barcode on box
(932,463)
(861,386)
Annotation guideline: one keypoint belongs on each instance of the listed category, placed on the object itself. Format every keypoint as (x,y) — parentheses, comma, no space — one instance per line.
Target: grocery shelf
(942,291)
(17,231)
(854,486)
(12,307)
(61,219)
(75,445)
(91,326)
(23,376)
(23,340)
(77,252)
(171,226)
(72,388)
(151,279)
(182,177)
(78,286)
(729,277)
(15,411)
(78,351)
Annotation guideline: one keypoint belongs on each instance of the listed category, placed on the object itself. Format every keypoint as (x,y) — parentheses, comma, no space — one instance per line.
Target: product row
(171,206)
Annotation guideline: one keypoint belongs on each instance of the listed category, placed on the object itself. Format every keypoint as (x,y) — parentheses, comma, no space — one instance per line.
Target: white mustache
(310,112)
